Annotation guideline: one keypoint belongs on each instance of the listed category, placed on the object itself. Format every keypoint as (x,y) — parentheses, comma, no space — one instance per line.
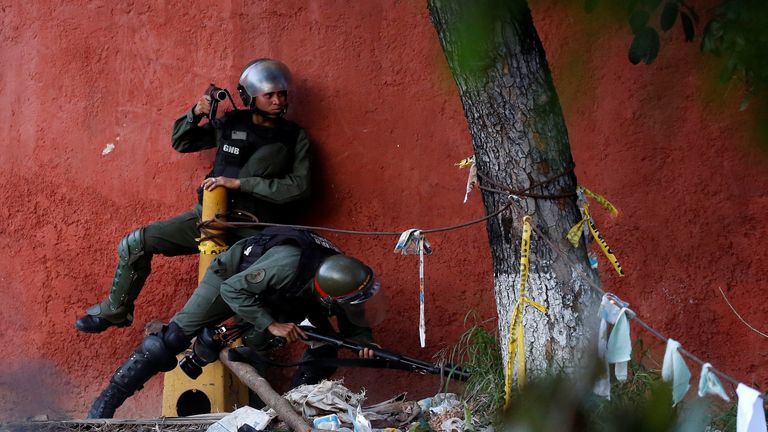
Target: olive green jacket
(276,174)
(259,295)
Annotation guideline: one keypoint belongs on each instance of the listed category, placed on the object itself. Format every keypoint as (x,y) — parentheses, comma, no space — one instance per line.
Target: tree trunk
(520,139)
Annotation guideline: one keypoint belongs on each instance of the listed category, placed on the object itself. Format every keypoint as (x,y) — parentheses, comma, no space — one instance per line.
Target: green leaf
(635,53)
(668,15)
(653,51)
(590,5)
(645,46)
(638,20)
(687,26)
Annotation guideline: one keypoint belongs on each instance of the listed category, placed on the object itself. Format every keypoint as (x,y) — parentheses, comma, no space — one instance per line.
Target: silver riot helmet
(260,77)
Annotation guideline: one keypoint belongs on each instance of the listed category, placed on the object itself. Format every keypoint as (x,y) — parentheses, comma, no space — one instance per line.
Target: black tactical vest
(238,138)
(314,249)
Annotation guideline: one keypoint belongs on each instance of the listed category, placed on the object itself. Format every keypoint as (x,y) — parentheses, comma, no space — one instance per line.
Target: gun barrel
(413,364)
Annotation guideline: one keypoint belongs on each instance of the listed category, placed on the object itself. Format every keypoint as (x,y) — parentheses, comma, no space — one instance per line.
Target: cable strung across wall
(219,222)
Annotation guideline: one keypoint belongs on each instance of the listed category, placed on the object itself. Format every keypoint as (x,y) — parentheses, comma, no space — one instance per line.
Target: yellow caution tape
(574,234)
(516,346)
(601,241)
(601,200)
(468,162)
(525,251)
(209,247)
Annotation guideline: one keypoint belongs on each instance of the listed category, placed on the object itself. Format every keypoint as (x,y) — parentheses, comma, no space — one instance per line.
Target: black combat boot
(94,324)
(108,401)
(157,353)
(127,380)
(103,316)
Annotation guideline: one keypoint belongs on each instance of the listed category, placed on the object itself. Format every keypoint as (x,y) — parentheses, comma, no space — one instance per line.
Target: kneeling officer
(273,281)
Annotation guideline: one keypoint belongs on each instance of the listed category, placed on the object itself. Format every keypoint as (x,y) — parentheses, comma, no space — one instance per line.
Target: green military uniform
(259,296)
(275,174)
(264,279)
(273,165)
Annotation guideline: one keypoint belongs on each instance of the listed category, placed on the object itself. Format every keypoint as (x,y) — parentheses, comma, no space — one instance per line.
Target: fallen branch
(248,375)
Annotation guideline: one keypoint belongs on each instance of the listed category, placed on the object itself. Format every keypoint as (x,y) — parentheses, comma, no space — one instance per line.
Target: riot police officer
(273,280)
(263,161)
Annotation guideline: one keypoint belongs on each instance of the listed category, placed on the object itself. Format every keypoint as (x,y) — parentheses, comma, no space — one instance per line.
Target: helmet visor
(361,295)
(370,313)
(355,297)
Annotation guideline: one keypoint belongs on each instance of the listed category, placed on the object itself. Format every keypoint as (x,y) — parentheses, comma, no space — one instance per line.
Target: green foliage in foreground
(558,403)
(478,351)
(735,31)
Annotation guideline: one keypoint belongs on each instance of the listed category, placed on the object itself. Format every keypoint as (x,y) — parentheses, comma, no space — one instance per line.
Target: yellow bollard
(217,389)
(214,202)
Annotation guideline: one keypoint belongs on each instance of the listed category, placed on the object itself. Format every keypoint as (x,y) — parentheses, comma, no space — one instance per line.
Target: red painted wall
(668,146)
(373,90)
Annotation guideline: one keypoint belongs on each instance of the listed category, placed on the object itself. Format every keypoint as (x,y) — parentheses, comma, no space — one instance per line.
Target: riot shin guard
(157,353)
(132,270)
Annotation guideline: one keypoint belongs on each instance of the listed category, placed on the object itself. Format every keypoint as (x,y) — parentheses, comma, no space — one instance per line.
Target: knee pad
(157,353)
(131,247)
(174,338)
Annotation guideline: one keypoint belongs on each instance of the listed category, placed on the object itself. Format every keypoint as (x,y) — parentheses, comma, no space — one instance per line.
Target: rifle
(392,359)
(211,341)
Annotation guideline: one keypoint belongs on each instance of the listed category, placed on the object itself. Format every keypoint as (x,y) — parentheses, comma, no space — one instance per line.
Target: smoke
(32,388)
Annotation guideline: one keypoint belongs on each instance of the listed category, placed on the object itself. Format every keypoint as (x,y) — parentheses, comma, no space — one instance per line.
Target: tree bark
(520,139)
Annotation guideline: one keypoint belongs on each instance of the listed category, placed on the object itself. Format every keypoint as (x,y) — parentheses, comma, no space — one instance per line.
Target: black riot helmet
(263,76)
(344,280)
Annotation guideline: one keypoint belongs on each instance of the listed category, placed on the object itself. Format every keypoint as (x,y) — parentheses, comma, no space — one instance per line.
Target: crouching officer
(273,280)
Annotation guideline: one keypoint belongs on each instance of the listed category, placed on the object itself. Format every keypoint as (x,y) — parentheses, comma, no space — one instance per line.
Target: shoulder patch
(256,276)
(239,135)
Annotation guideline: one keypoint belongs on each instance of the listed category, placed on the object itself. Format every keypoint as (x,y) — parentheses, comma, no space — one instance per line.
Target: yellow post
(217,389)
(214,202)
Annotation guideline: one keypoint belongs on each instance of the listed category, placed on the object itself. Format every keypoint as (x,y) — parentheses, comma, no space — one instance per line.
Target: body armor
(238,138)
